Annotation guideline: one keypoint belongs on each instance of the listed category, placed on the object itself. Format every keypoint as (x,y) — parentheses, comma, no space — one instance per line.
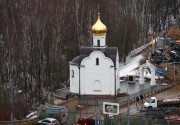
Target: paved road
(169,93)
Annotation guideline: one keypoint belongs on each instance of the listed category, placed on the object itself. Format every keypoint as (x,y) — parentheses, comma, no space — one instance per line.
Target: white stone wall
(74,81)
(97,79)
(117,72)
(102,40)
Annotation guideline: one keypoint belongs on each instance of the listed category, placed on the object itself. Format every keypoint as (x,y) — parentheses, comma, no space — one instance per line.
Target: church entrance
(97,85)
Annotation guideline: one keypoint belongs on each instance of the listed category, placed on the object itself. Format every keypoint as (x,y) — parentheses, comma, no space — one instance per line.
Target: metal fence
(122,119)
(121,100)
(144,92)
(132,120)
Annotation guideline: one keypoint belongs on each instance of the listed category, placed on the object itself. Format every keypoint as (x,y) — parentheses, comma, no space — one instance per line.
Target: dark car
(156,60)
(86,121)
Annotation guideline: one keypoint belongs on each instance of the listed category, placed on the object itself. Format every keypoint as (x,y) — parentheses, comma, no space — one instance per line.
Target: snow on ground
(134,63)
(130,66)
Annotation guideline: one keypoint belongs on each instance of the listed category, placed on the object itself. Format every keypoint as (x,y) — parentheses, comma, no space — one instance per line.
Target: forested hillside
(39,37)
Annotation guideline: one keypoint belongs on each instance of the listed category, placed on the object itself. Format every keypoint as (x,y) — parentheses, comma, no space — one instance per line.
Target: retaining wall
(20,122)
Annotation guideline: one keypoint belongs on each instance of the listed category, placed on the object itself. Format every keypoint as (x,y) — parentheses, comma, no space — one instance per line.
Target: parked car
(53,111)
(32,115)
(48,121)
(156,60)
(86,121)
(158,51)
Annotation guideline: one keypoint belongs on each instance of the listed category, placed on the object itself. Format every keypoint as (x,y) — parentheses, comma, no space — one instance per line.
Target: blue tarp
(160,71)
(168,40)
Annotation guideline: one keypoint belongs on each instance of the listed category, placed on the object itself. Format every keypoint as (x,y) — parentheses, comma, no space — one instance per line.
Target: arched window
(98,42)
(97,61)
(72,73)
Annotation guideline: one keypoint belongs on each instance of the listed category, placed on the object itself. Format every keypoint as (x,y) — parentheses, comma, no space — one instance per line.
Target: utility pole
(128,104)
(174,71)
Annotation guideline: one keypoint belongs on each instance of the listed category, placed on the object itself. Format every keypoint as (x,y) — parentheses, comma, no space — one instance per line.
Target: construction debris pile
(168,49)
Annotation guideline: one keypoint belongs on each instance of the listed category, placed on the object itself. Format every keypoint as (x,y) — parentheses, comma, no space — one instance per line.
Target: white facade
(97,79)
(96,75)
(74,78)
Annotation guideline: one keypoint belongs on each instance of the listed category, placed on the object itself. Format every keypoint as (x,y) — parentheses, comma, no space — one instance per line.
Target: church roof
(85,51)
(99,29)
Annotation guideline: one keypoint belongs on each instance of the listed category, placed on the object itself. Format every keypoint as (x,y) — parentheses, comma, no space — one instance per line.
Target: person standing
(137,100)
(141,98)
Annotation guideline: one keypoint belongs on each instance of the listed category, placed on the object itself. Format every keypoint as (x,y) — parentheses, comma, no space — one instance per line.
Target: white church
(95,70)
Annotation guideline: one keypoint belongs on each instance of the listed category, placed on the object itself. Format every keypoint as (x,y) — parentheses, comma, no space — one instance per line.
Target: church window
(98,42)
(72,73)
(97,61)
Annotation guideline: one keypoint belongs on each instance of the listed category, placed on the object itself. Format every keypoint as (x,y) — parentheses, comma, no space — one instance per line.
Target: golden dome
(99,29)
